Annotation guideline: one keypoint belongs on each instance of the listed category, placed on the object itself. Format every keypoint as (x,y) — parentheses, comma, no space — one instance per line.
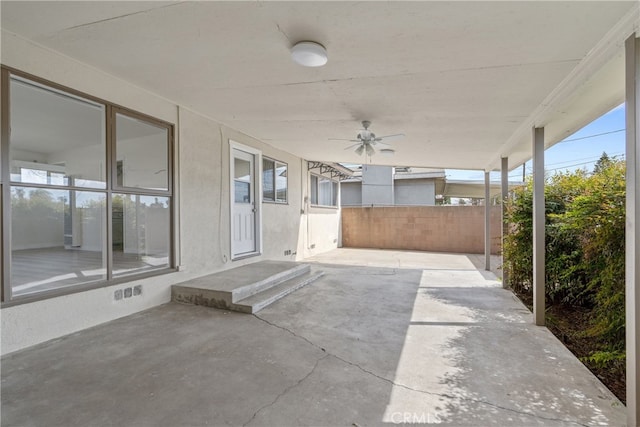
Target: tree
(604,162)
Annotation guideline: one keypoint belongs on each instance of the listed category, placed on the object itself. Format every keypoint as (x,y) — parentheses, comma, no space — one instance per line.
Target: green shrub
(584,248)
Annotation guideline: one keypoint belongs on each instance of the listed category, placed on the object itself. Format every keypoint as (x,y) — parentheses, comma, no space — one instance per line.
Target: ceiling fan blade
(342,139)
(391,137)
(370,150)
(351,146)
(360,149)
(381,143)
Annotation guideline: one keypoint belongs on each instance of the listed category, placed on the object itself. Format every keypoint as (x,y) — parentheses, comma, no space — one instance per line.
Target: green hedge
(585,251)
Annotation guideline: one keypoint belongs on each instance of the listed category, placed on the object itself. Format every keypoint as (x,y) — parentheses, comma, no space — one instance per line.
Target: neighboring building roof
(444,187)
(400,173)
(473,189)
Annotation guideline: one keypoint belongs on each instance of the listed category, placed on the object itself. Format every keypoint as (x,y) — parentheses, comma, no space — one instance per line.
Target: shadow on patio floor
(384,337)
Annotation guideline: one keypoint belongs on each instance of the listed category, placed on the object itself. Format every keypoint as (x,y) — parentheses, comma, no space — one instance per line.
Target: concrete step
(257,302)
(226,288)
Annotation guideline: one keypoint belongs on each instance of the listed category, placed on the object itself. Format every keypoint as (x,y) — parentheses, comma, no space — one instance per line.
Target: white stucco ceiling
(462,80)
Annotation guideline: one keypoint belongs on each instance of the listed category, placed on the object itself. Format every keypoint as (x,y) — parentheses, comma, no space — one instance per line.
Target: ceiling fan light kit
(309,54)
(366,140)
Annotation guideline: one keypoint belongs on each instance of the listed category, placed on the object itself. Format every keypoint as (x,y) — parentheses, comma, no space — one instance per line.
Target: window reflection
(324,191)
(141,226)
(281,182)
(242,180)
(142,154)
(268,185)
(56,138)
(61,178)
(274,181)
(57,238)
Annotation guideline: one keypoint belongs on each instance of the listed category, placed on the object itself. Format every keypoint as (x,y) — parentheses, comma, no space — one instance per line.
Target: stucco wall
(204,197)
(351,193)
(377,185)
(414,192)
(201,205)
(406,192)
(426,228)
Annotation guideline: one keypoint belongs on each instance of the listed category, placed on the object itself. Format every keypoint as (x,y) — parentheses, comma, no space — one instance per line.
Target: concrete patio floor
(383,337)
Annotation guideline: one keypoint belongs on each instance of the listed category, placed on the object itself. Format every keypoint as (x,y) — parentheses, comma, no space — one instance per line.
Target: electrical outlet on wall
(129,292)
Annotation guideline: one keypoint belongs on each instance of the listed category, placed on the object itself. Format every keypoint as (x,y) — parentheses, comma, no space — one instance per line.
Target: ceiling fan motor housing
(367,139)
(366,135)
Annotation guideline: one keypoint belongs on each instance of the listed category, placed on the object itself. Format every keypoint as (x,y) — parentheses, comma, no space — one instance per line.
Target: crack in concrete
(286,390)
(122,16)
(394,75)
(281,31)
(289,331)
(387,380)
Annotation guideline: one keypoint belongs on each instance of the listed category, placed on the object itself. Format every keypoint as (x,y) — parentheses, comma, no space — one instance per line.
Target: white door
(243,202)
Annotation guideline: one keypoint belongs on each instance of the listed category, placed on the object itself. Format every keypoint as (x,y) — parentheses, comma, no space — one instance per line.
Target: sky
(580,150)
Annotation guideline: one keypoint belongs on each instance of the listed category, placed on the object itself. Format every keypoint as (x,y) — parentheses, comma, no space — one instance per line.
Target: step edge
(254,308)
(254,288)
(197,296)
(240,293)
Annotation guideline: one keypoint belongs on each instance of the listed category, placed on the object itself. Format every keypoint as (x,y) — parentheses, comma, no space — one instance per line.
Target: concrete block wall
(457,229)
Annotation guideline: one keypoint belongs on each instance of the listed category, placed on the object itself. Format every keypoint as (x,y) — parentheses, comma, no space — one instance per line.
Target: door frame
(257,195)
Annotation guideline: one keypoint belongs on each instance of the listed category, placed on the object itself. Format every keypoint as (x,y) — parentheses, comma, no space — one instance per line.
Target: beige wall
(425,228)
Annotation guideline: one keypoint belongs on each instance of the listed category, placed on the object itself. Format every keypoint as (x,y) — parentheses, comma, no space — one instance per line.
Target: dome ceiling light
(309,54)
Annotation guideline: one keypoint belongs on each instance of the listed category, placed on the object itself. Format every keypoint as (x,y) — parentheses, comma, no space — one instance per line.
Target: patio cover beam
(632,238)
(504,169)
(538,226)
(487,221)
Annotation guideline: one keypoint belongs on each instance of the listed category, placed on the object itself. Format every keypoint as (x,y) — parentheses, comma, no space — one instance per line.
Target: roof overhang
(465,81)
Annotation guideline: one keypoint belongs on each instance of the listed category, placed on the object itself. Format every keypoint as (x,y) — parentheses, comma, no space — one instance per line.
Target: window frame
(332,197)
(112,144)
(110,111)
(275,200)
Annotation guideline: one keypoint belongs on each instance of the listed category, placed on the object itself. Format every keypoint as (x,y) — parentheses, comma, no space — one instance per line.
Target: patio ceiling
(465,81)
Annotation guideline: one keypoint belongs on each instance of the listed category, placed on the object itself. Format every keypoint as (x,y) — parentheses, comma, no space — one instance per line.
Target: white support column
(632,240)
(504,168)
(487,221)
(538,227)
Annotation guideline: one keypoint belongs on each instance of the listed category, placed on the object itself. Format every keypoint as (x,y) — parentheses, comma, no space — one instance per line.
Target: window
(56,138)
(242,180)
(324,191)
(142,154)
(86,205)
(274,181)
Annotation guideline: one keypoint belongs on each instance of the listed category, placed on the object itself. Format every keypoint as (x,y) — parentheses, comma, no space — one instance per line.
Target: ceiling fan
(366,140)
